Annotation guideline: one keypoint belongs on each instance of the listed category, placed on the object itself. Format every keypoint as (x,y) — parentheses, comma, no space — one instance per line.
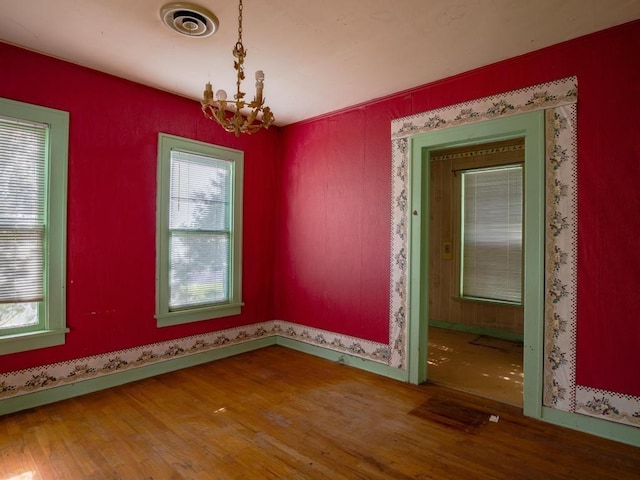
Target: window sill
(197,315)
(22,342)
(489,301)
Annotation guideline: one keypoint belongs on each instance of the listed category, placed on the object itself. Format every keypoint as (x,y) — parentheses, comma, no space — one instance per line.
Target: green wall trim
(64,392)
(594,426)
(529,126)
(343,358)
(491,332)
(52,328)
(164,315)
(21,342)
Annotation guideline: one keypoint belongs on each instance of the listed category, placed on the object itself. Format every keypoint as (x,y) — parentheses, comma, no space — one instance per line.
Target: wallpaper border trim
(45,377)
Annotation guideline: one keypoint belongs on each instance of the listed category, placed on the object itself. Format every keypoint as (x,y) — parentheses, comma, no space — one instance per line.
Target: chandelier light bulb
(260,76)
(221,95)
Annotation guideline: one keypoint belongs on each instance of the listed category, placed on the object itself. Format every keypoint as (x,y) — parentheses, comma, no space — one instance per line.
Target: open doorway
(529,126)
(476,314)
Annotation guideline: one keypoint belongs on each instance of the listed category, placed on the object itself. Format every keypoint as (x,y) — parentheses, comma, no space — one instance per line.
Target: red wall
(317,198)
(114,127)
(334,212)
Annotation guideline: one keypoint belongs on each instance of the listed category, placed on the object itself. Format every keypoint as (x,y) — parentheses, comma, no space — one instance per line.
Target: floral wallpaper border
(611,406)
(377,352)
(558,99)
(560,257)
(21,382)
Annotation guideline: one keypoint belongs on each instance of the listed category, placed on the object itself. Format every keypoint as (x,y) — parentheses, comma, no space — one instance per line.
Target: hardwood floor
(279,414)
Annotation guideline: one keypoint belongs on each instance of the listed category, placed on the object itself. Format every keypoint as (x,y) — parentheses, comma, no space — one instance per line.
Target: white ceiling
(318,56)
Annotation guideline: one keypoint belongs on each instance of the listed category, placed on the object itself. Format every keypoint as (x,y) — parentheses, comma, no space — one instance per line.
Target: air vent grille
(189,20)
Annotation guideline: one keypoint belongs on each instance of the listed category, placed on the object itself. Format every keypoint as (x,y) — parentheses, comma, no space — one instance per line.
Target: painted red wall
(331,180)
(334,212)
(114,127)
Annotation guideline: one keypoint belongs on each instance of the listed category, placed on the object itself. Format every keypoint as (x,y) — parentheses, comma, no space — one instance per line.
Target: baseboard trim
(90,385)
(593,426)
(75,389)
(491,332)
(343,358)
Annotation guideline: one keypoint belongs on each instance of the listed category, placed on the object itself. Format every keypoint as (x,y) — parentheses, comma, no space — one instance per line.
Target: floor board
(280,414)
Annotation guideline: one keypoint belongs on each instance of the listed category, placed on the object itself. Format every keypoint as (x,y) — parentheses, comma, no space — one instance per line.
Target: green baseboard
(490,332)
(594,426)
(81,387)
(343,358)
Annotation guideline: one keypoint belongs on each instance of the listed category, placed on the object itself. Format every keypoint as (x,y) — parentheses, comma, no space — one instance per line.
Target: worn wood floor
(280,414)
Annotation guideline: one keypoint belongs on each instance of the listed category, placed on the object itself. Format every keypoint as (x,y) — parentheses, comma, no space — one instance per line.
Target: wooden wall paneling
(447,282)
(436,270)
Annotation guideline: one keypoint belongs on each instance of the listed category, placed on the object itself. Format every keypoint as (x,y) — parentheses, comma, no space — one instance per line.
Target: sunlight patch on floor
(474,364)
(22,476)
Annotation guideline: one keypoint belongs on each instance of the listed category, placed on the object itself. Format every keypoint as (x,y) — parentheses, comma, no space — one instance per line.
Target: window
(33,205)
(199,231)
(491,256)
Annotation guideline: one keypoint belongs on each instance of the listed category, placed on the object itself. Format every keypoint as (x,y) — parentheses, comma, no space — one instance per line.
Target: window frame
(51,328)
(164,316)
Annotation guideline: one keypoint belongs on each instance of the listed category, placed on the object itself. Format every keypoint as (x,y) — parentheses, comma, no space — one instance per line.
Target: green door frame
(529,126)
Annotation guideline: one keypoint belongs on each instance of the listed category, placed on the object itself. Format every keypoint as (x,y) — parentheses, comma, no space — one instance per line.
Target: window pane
(199,269)
(14,315)
(21,264)
(200,192)
(492,226)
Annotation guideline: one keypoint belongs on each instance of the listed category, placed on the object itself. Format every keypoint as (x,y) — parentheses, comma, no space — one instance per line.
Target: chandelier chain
(239,52)
(240,22)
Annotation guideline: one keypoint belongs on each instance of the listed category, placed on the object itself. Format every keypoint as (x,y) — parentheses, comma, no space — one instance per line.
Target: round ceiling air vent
(189,20)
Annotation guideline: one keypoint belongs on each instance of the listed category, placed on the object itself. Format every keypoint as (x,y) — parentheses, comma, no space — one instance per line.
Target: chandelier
(233,120)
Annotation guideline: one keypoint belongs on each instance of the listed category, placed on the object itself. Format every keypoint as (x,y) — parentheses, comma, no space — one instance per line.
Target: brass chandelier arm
(234,121)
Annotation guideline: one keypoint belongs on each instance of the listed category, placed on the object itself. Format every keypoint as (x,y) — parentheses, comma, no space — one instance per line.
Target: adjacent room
(402,243)
(476,321)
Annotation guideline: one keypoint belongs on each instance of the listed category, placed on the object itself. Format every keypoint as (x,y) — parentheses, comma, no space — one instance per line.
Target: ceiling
(318,56)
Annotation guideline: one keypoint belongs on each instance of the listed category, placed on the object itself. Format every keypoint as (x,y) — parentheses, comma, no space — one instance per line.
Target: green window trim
(487,301)
(165,315)
(51,327)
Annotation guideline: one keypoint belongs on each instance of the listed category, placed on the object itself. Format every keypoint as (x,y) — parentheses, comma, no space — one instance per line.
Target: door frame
(529,126)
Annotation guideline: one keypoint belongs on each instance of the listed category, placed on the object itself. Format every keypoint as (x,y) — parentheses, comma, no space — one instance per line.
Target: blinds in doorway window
(492,214)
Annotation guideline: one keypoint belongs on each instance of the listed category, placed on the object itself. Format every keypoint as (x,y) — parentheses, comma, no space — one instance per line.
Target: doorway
(476,318)
(530,127)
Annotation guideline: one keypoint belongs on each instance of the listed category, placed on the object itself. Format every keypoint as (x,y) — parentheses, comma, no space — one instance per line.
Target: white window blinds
(23,151)
(200,230)
(492,234)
